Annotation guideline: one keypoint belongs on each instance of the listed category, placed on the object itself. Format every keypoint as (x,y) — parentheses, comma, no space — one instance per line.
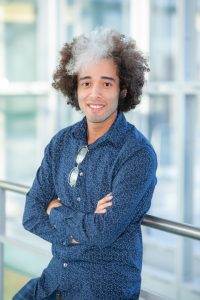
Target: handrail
(177,228)
(13,187)
(182,229)
(150,221)
(151,295)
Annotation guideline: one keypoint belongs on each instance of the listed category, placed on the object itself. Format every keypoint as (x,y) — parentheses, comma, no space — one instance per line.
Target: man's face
(98,91)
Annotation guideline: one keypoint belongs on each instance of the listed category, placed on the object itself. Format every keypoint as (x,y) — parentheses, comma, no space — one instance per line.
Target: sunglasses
(73,175)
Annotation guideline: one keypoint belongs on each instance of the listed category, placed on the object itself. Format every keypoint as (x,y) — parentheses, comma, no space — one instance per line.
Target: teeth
(96,106)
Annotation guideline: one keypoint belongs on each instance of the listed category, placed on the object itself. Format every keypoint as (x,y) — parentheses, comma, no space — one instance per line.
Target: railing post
(2,233)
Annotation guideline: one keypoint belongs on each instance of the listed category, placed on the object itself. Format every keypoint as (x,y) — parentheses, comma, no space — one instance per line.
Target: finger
(102,208)
(106,198)
(55,202)
(56,205)
(103,211)
(74,241)
(104,205)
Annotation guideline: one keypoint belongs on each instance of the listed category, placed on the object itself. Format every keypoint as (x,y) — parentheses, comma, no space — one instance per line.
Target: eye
(86,84)
(107,84)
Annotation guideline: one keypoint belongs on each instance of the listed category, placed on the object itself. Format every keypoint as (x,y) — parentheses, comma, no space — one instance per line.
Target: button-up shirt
(106,262)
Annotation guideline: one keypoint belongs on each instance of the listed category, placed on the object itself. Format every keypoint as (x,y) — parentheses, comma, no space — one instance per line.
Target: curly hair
(99,44)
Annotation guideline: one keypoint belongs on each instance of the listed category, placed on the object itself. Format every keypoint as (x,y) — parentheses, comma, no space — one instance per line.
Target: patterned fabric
(106,262)
(28,292)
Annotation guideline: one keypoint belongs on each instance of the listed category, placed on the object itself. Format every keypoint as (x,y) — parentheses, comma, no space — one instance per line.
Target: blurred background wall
(168,31)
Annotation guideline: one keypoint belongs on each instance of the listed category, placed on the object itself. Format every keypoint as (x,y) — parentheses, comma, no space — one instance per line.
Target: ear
(123,93)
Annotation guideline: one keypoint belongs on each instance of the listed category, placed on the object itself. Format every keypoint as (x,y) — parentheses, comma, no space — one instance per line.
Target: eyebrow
(102,77)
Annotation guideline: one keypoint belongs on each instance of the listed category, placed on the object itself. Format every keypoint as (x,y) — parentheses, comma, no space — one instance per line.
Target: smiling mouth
(95,107)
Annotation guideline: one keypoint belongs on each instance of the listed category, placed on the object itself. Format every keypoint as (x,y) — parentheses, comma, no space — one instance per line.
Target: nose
(95,92)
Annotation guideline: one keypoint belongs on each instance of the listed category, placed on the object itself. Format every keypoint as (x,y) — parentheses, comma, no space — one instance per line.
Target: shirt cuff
(58,219)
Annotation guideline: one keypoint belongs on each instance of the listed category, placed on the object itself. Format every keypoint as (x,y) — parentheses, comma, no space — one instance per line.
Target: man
(97,177)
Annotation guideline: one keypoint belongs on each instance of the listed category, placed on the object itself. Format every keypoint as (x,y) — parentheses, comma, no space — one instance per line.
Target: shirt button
(81,174)
(78,199)
(64,243)
(65,265)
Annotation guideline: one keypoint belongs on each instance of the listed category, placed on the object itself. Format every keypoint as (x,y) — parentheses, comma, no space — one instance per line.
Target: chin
(96,119)
(99,118)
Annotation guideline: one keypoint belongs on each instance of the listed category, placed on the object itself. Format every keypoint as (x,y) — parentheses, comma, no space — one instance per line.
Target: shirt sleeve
(132,190)
(42,192)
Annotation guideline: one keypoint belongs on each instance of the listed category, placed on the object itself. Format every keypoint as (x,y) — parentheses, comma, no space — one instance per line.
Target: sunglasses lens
(73,176)
(81,154)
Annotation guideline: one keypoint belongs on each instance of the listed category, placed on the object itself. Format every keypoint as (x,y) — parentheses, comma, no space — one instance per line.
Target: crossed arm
(100,209)
(132,190)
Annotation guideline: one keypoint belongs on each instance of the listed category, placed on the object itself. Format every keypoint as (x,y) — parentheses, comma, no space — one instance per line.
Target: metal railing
(151,295)
(177,228)
(181,229)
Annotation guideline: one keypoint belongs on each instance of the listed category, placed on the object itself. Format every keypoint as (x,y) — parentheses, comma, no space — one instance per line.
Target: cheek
(115,99)
(82,95)
(80,98)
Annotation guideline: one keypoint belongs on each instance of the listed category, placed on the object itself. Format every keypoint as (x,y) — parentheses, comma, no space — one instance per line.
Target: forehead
(103,67)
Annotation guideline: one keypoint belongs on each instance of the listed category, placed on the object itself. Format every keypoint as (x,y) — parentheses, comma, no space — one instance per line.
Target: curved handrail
(183,229)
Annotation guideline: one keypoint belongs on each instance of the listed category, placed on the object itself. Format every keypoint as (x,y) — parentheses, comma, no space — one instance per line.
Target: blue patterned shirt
(106,262)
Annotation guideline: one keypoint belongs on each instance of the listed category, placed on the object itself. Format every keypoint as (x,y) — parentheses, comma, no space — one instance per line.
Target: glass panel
(195,270)
(197,28)
(196,264)
(162,262)
(23,135)
(18,41)
(94,13)
(13,281)
(197,163)
(159,274)
(162,132)
(163,41)
(155,117)
(20,266)
(23,41)
(181,255)
(28,255)
(14,213)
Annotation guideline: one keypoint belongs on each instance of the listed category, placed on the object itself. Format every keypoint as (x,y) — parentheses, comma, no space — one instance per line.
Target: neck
(96,130)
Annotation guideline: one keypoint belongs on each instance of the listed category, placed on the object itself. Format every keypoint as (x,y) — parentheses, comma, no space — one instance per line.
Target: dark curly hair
(130,62)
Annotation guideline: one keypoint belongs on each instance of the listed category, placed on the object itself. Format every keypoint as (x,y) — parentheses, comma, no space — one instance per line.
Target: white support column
(47,54)
(140,31)
(2,45)
(2,233)
(3,145)
(185,108)
(140,23)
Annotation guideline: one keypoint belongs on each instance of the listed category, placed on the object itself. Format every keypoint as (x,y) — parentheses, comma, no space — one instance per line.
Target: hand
(53,203)
(74,242)
(103,203)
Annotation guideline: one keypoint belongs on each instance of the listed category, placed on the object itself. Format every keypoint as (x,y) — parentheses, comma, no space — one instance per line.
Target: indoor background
(31,112)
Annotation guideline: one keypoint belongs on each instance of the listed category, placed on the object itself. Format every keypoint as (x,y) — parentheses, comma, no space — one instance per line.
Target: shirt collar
(114,134)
